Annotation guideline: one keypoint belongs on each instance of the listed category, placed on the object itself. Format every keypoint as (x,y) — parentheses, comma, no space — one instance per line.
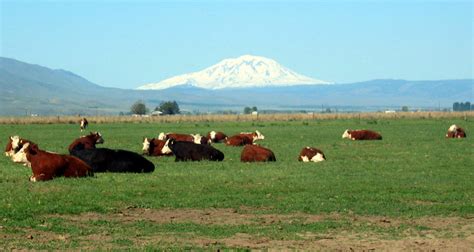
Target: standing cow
(311,154)
(256,153)
(84,123)
(185,151)
(361,135)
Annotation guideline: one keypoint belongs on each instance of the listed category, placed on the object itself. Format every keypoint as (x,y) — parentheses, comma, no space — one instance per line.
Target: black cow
(108,160)
(185,151)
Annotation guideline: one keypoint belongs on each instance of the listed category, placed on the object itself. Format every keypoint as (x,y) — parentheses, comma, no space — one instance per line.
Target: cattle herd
(85,159)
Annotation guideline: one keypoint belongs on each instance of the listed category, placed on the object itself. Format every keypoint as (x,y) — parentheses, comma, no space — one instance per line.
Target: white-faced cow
(311,154)
(455,131)
(88,141)
(84,123)
(238,140)
(176,136)
(361,135)
(187,151)
(216,136)
(256,153)
(253,135)
(154,147)
(46,165)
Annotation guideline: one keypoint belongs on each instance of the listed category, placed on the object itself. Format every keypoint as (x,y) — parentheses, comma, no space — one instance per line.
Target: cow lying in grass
(256,153)
(88,141)
(46,165)
(455,131)
(238,140)
(193,138)
(216,136)
(361,135)
(311,154)
(187,151)
(154,147)
(107,160)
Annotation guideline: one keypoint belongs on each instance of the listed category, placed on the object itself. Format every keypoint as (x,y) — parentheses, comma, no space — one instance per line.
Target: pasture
(412,190)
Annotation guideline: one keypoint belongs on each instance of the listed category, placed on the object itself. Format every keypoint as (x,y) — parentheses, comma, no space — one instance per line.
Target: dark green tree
(247,110)
(169,108)
(405,108)
(138,108)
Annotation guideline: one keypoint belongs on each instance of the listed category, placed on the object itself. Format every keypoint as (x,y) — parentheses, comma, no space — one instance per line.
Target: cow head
(212,135)
(162,136)
(12,145)
(97,137)
(258,135)
(347,134)
(146,146)
(167,147)
(198,139)
(453,128)
(21,155)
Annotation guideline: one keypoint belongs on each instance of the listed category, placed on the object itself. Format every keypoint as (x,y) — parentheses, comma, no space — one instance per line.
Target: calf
(154,147)
(256,153)
(238,140)
(185,151)
(107,160)
(216,137)
(361,135)
(455,132)
(84,123)
(253,135)
(311,154)
(46,165)
(88,141)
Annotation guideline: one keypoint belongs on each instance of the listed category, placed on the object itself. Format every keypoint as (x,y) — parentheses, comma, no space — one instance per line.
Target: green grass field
(412,190)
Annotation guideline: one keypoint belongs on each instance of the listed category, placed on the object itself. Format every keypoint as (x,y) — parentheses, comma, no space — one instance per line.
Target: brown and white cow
(256,153)
(46,165)
(176,136)
(14,144)
(154,147)
(216,136)
(88,142)
(238,140)
(84,123)
(311,154)
(361,135)
(455,131)
(253,135)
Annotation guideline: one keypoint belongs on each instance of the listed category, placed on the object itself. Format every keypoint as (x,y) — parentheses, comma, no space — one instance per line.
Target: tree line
(166,108)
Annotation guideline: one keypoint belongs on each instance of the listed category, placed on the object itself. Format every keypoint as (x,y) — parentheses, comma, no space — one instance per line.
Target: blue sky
(129,43)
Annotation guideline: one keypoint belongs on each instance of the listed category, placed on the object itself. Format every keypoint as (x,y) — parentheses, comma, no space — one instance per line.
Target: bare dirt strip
(440,233)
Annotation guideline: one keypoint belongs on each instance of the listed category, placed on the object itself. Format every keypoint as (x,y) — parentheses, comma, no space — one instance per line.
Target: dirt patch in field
(362,233)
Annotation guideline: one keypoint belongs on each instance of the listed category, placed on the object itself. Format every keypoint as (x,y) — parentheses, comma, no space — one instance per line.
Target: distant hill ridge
(28,88)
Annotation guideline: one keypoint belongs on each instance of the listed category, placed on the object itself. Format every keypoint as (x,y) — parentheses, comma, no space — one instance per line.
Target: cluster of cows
(85,158)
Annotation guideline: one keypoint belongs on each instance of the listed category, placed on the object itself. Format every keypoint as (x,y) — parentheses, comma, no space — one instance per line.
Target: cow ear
(11,138)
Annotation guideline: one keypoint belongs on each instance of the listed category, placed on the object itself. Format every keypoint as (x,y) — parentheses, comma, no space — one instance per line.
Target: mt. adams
(242,72)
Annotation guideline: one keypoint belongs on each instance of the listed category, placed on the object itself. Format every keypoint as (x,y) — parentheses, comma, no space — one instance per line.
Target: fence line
(238,118)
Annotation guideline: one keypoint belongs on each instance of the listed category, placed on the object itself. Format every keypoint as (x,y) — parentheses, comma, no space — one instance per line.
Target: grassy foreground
(412,184)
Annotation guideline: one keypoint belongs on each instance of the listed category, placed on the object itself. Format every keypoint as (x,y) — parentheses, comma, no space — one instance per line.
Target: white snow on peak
(242,72)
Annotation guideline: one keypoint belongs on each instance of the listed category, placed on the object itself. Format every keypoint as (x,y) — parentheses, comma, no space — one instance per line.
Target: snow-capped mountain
(242,72)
